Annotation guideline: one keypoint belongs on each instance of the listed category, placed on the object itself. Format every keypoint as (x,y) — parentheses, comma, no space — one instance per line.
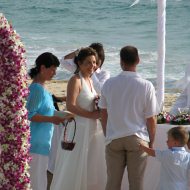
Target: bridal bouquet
(14,126)
(96,100)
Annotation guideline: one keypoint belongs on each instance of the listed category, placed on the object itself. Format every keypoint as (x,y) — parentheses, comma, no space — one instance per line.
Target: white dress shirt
(129,101)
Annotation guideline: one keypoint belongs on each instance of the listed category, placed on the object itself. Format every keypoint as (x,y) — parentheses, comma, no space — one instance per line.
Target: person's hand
(96,114)
(149,151)
(142,146)
(150,144)
(57,120)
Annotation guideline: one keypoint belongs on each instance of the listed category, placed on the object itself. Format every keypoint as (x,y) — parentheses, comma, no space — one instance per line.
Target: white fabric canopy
(161,4)
(161,51)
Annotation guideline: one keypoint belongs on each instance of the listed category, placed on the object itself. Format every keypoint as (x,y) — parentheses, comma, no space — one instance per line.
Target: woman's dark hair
(83,54)
(99,50)
(47,59)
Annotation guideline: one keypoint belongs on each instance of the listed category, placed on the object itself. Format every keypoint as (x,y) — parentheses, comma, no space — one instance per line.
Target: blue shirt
(175,165)
(40,102)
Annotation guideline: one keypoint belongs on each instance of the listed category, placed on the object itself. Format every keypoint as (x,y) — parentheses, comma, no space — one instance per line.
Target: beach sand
(59,88)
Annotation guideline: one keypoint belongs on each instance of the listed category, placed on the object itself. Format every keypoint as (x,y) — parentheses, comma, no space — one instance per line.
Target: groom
(128,108)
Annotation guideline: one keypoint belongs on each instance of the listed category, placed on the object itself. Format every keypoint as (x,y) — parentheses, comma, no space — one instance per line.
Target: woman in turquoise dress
(41,114)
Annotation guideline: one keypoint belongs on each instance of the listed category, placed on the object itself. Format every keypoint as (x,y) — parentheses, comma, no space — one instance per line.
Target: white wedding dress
(83,168)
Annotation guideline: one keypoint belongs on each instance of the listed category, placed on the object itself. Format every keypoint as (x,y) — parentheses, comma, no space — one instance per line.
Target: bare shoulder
(74,82)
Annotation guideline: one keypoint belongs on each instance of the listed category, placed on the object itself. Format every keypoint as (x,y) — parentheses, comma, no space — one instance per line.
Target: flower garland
(14,126)
(163,117)
(179,119)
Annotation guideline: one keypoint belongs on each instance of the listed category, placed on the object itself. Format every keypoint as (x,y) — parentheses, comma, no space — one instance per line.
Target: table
(152,173)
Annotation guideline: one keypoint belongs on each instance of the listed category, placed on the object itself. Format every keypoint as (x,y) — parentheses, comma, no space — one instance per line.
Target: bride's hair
(82,55)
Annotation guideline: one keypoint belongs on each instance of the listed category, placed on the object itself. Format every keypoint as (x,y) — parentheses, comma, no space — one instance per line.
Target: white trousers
(38,171)
(58,129)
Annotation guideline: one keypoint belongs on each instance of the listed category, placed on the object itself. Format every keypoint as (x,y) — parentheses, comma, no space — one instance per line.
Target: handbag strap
(65,129)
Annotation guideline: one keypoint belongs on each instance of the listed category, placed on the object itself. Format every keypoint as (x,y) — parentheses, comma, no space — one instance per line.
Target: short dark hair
(47,59)
(83,54)
(99,50)
(179,134)
(129,55)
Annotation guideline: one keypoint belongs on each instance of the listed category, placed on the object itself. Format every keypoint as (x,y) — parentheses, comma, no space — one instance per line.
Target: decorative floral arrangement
(14,126)
(163,117)
(180,119)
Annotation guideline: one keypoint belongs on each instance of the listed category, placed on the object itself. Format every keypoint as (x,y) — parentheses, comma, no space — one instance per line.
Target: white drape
(161,32)
(161,51)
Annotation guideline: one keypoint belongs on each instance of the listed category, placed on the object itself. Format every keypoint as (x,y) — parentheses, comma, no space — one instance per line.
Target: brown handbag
(66,144)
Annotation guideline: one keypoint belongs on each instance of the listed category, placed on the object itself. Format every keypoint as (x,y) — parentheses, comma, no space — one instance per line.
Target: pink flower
(14,126)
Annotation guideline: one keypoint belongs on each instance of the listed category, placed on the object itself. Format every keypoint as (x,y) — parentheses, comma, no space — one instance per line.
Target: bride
(84,168)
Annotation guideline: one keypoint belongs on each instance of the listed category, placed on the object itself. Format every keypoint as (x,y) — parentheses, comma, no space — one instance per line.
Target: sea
(61,26)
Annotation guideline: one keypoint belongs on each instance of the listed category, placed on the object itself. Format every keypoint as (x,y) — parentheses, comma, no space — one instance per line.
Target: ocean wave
(61,26)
